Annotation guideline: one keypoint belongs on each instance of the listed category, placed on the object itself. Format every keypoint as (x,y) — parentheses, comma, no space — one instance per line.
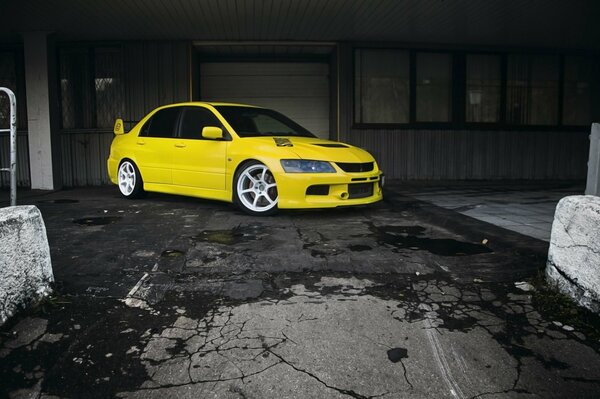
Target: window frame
(90,73)
(17,53)
(458,91)
(183,109)
(174,133)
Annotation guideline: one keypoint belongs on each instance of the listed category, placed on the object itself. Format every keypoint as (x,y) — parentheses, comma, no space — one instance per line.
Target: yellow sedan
(254,157)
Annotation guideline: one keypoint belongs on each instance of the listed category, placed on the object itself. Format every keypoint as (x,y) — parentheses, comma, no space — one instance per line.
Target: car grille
(355,167)
(361,190)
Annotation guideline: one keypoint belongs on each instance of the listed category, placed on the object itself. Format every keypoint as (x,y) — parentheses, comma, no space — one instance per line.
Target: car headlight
(306,166)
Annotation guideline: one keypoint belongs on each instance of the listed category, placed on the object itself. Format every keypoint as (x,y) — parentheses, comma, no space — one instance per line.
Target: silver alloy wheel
(256,188)
(127,178)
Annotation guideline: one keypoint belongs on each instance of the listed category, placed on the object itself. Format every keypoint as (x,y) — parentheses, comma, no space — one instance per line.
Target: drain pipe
(593,177)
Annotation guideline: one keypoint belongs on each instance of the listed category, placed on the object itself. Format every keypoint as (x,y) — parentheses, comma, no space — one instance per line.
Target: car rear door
(199,162)
(153,146)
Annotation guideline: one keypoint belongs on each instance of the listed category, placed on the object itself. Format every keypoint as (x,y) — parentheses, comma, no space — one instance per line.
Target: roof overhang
(514,23)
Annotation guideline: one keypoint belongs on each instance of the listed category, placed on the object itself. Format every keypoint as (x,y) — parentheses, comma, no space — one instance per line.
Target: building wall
(474,155)
(155,73)
(423,154)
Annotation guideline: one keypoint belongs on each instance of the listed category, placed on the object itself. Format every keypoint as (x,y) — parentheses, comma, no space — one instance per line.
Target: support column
(593,177)
(42,105)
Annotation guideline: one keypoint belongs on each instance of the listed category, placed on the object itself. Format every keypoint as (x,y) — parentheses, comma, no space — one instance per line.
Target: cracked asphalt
(178,297)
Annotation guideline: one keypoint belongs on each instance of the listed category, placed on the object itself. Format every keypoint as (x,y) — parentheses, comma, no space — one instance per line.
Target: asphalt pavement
(178,297)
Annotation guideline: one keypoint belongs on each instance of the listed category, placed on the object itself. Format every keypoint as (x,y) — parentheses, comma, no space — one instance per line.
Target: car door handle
(180,145)
(140,143)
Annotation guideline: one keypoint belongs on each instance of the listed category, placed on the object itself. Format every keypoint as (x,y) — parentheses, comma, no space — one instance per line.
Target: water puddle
(359,248)
(59,201)
(233,236)
(397,354)
(171,253)
(413,238)
(97,221)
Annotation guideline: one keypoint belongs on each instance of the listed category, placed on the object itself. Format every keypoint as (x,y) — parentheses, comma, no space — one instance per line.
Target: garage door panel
(298,90)
(291,107)
(269,86)
(264,68)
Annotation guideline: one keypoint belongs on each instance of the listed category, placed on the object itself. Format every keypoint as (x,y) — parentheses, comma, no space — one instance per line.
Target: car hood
(316,149)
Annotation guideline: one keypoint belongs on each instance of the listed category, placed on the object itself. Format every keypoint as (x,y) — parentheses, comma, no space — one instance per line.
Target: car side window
(194,120)
(162,123)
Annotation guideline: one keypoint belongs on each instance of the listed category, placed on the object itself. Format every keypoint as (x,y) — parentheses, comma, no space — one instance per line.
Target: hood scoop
(332,145)
(282,142)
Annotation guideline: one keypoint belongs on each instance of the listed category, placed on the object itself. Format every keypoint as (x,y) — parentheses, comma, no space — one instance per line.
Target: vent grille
(360,190)
(355,167)
(318,189)
(333,145)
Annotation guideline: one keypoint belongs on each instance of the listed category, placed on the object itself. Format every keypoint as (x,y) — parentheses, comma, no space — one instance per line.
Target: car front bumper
(328,190)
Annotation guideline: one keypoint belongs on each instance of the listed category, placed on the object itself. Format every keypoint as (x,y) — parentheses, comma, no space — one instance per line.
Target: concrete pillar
(593,178)
(42,104)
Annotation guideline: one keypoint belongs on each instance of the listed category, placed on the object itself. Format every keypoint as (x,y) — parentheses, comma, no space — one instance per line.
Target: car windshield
(255,122)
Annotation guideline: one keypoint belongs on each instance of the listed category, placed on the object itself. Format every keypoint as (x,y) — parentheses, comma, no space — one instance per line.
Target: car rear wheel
(255,189)
(130,181)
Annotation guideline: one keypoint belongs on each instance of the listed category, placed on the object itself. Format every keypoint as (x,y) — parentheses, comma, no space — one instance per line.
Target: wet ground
(178,297)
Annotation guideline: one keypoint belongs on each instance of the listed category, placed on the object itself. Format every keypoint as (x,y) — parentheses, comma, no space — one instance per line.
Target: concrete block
(25,265)
(574,254)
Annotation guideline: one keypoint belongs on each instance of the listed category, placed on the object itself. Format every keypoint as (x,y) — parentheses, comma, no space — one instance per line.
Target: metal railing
(12,169)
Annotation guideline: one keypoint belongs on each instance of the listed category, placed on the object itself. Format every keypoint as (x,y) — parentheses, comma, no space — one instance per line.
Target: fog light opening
(344,195)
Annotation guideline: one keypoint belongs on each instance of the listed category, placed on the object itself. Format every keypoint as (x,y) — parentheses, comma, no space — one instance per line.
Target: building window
(483,83)
(418,88)
(434,87)
(577,89)
(532,90)
(382,86)
(10,69)
(8,78)
(91,87)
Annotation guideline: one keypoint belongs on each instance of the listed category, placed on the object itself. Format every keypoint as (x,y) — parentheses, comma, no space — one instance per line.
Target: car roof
(214,104)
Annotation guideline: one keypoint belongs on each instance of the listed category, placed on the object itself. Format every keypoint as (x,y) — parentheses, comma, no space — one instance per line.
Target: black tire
(130,180)
(258,180)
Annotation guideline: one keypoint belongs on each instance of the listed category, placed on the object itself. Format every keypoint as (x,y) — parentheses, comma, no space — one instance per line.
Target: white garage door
(298,90)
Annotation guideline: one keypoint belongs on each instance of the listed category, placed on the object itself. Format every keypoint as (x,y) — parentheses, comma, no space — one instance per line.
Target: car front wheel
(130,180)
(255,189)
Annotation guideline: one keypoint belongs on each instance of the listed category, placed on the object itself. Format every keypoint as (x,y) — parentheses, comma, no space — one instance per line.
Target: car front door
(153,146)
(198,162)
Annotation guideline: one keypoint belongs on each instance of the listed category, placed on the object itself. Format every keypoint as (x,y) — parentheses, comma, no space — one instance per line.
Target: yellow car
(254,157)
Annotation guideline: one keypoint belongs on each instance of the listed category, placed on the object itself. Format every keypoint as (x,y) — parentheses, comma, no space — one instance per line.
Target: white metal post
(13,145)
(593,177)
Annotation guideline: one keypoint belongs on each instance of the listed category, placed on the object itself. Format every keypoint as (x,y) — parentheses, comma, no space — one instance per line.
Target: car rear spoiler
(120,125)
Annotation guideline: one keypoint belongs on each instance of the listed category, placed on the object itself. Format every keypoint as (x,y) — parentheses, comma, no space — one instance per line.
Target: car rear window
(162,123)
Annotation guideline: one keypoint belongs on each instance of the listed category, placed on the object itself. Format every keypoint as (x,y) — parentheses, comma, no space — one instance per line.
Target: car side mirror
(119,128)
(212,133)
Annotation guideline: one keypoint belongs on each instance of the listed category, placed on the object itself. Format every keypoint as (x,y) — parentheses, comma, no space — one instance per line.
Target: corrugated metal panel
(23,176)
(84,158)
(472,154)
(157,73)
(298,90)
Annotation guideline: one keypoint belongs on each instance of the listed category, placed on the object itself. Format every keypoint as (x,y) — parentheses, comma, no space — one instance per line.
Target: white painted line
(441,361)
(137,286)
